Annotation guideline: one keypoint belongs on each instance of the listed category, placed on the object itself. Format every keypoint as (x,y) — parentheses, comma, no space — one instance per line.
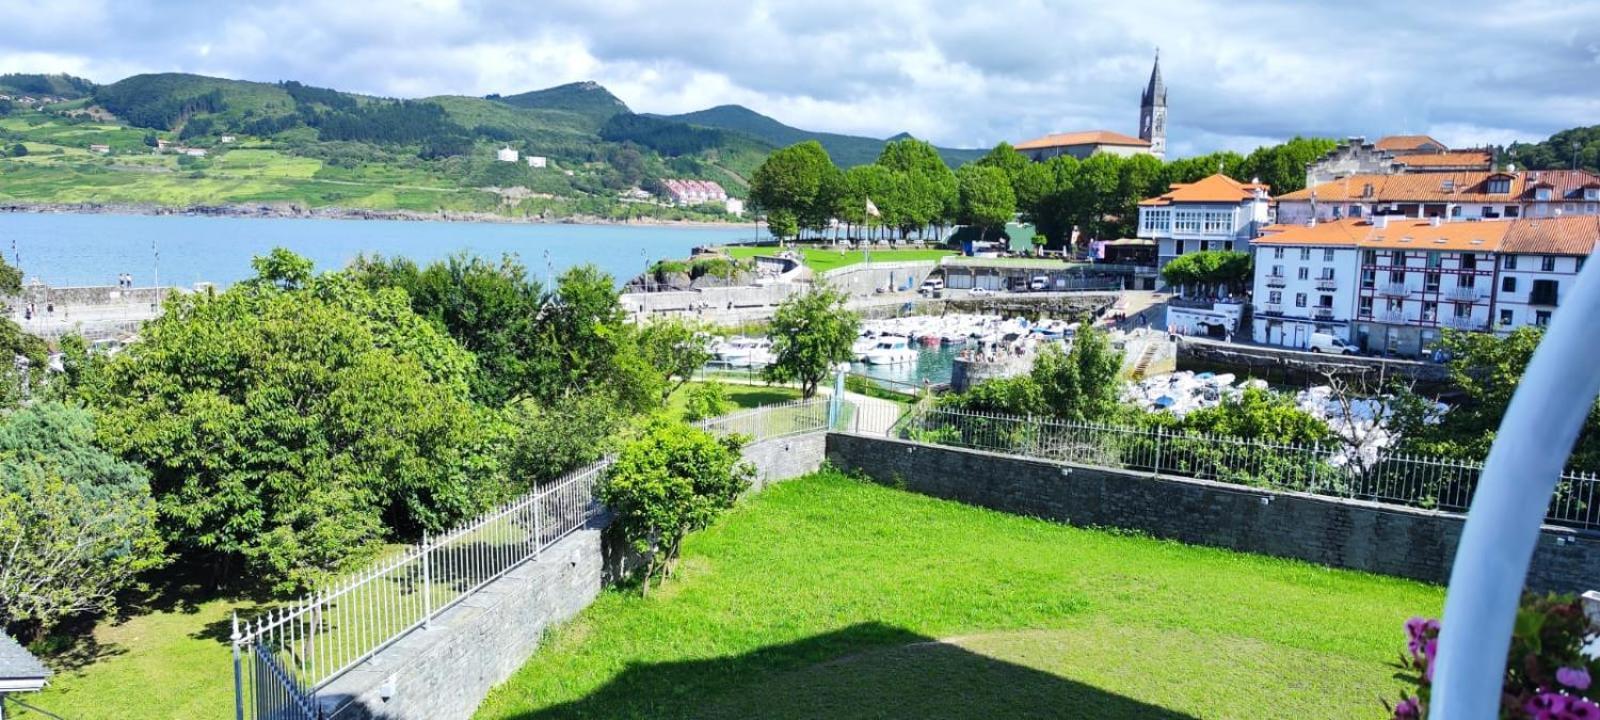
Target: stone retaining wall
(1286,365)
(444,672)
(1411,543)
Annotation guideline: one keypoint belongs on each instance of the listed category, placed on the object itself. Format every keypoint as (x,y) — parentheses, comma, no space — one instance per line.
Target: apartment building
(1305,280)
(1555,193)
(1215,213)
(1454,196)
(1539,262)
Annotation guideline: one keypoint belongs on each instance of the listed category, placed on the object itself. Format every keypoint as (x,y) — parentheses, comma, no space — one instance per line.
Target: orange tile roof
(1405,142)
(1086,137)
(1571,235)
(1455,158)
(1218,188)
(1453,186)
(1565,184)
(1401,233)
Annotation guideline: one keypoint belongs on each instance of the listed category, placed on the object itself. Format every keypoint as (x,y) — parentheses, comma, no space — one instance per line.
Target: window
(1216,222)
(1277,253)
(1541,194)
(1469,261)
(1505,317)
(1544,292)
(1305,253)
(1277,271)
(1364,307)
(1512,211)
(1433,259)
(1430,311)
(1368,278)
(1205,245)
(1509,263)
(1327,274)
(1303,273)
(1508,284)
(1177,247)
(1228,245)
(1397,259)
(1500,185)
(1327,254)
(1325,301)
(1397,278)
(1547,263)
(1355,211)
(1568,208)
(1395,306)
(1462,310)
(1275,297)
(1466,281)
(1455,211)
(1541,318)
(1431,282)
(1369,257)
(1299,300)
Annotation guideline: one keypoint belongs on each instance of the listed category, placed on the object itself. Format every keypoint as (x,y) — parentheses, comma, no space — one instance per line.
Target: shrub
(1547,675)
(674,479)
(706,400)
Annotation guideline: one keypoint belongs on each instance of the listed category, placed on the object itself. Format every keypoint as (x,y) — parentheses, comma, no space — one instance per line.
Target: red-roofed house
(1082,144)
(695,192)
(1214,213)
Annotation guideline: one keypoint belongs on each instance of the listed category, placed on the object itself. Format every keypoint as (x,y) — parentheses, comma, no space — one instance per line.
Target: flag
(872,210)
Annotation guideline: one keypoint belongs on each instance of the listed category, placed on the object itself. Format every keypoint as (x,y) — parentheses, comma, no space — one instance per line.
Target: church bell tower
(1153,112)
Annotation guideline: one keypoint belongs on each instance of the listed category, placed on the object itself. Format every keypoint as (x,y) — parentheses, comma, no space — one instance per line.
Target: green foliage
(1256,415)
(1487,369)
(162,101)
(18,150)
(583,343)
(66,86)
(1557,152)
(549,440)
(10,279)
(1080,385)
(789,184)
(707,400)
(672,480)
(847,150)
(923,190)
(1210,270)
(986,198)
(812,333)
(288,431)
(675,349)
(79,523)
(668,137)
(282,268)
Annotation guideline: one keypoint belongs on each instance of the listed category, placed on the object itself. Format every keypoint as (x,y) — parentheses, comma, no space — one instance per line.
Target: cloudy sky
(1241,72)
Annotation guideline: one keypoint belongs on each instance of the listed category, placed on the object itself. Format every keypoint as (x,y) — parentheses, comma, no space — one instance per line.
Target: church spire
(1153,111)
(1156,92)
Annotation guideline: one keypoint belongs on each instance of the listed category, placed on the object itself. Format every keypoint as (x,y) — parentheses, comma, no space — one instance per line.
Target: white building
(1539,262)
(536,161)
(734,206)
(226,139)
(1554,193)
(1216,213)
(695,192)
(1305,281)
(194,152)
(506,154)
(101,149)
(1452,195)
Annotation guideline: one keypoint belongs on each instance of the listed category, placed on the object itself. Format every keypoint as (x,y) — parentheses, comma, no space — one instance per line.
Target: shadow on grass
(868,670)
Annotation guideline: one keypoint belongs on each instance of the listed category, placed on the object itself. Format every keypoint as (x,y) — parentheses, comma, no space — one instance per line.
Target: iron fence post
(538,534)
(1316,457)
(427,582)
(238,674)
(1160,437)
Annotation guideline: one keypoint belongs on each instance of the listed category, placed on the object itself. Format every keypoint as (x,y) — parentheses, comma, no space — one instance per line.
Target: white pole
(1529,453)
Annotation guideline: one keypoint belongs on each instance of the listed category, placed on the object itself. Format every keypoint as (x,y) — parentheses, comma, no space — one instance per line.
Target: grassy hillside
(846,150)
(587,99)
(35,84)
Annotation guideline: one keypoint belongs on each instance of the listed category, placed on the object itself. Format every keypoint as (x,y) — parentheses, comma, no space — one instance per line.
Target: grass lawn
(822,259)
(832,597)
(742,396)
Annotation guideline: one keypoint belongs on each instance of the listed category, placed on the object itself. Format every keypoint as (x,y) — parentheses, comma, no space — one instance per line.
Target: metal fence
(1325,469)
(284,658)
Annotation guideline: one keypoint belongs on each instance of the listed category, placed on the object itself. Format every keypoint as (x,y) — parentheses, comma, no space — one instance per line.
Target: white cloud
(1240,72)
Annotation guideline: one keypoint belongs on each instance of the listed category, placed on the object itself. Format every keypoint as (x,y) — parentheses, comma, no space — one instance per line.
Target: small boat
(891,351)
(745,352)
(929,340)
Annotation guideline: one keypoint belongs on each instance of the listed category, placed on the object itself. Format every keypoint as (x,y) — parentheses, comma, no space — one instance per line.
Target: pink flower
(1547,705)
(1429,649)
(1575,678)
(1582,709)
(1407,709)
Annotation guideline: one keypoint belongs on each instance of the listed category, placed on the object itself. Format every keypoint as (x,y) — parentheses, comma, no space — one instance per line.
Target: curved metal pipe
(1491,564)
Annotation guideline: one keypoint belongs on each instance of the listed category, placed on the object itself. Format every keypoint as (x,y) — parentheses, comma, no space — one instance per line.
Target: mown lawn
(833,597)
(822,259)
(741,396)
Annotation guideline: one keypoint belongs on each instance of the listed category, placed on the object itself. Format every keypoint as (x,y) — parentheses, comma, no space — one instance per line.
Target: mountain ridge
(846,150)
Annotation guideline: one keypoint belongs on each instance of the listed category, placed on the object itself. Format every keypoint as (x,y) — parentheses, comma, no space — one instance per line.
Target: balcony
(1466,323)
(1327,284)
(1322,313)
(1542,299)
(1394,290)
(1392,316)
(1465,294)
(1272,308)
(1276,280)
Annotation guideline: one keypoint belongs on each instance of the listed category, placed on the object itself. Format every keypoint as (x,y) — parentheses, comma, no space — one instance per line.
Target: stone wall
(1410,543)
(860,280)
(444,672)
(1285,365)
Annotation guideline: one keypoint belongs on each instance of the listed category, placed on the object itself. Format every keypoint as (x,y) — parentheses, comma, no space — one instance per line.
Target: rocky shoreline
(299,212)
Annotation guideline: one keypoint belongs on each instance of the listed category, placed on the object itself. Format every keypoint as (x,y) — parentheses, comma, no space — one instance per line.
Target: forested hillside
(846,150)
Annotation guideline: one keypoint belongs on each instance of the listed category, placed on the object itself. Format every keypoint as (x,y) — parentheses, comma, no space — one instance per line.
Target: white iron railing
(283,658)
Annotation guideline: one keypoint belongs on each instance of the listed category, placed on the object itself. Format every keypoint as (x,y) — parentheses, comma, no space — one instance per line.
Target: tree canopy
(812,333)
(1228,270)
(986,198)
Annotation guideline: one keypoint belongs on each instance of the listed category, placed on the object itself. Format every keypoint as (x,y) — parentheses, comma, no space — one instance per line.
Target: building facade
(1452,195)
(1304,284)
(506,154)
(1215,213)
(1081,145)
(694,192)
(1539,262)
(1554,193)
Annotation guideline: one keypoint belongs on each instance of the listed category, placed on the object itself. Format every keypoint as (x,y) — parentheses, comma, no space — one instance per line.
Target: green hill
(846,150)
(58,85)
(587,99)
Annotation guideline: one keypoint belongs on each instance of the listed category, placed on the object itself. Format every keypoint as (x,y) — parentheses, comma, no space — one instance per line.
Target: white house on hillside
(537,161)
(506,154)
(1215,213)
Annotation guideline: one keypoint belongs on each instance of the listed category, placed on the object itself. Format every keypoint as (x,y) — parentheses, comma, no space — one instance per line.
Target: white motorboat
(891,351)
(745,352)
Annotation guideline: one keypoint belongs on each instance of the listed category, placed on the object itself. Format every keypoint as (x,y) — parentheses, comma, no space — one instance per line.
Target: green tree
(926,189)
(282,268)
(79,523)
(706,400)
(987,200)
(289,431)
(1210,271)
(1258,414)
(551,439)
(19,150)
(672,480)
(1283,167)
(150,139)
(789,184)
(1082,384)
(675,349)
(585,344)
(812,333)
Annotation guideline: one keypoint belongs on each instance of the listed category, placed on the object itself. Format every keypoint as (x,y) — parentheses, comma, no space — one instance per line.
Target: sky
(1240,73)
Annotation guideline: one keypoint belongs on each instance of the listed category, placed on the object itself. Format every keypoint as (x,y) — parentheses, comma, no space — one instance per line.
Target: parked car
(978,291)
(931,286)
(1323,342)
(1039,283)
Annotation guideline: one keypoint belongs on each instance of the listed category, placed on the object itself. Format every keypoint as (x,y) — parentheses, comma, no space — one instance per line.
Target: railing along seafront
(1331,469)
(282,660)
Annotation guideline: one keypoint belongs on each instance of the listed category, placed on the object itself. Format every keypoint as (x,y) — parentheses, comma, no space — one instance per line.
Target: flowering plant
(1547,675)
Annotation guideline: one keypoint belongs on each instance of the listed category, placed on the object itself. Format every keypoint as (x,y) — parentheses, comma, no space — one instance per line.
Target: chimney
(1435,221)
(1380,222)
(1312,222)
